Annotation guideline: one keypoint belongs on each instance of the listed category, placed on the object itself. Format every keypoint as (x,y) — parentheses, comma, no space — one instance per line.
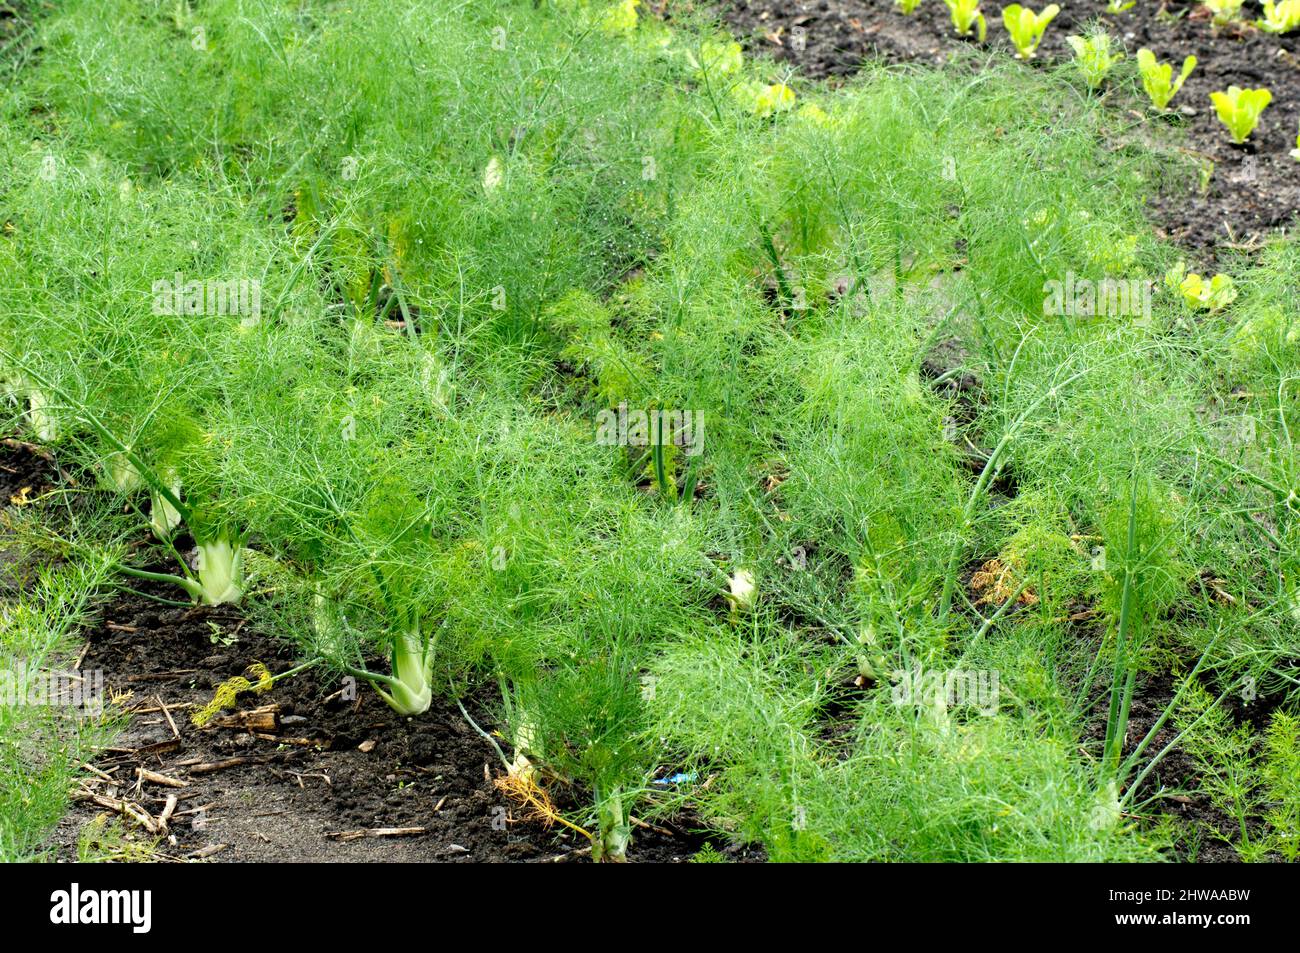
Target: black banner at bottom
(149,904)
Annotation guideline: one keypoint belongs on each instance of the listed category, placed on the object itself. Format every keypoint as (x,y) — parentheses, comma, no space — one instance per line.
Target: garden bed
(1252,190)
(298,773)
(667,451)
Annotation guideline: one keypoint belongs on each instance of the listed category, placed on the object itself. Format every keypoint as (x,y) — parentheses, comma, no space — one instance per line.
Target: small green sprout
(1213,295)
(1239,109)
(1280,17)
(1026,27)
(1093,55)
(907,6)
(1157,77)
(1224,11)
(966,14)
(1295,153)
(1116,7)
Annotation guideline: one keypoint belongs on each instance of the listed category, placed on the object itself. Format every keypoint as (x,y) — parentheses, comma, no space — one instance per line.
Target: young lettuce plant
(717,59)
(1280,17)
(1295,153)
(907,6)
(965,15)
(1223,11)
(1239,110)
(621,18)
(1026,27)
(1198,293)
(1116,7)
(1157,77)
(1093,56)
(763,100)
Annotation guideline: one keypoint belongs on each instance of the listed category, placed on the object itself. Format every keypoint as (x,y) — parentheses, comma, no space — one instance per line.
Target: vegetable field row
(851,474)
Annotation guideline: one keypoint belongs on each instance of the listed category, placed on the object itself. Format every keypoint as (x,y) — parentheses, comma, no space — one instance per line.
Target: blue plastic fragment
(679,778)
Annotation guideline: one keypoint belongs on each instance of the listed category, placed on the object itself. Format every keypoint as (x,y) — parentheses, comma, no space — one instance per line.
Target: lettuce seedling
(1224,11)
(907,6)
(1093,56)
(1116,7)
(621,17)
(1295,153)
(778,97)
(1026,27)
(966,14)
(717,58)
(1239,109)
(1280,17)
(1213,295)
(764,101)
(815,115)
(1157,77)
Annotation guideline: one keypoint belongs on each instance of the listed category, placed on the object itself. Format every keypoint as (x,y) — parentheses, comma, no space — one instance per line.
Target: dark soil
(331,766)
(1252,190)
(26,472)
(1177,774)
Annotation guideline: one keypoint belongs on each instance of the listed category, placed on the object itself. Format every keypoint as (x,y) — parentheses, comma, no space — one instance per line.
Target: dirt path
(314,775)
